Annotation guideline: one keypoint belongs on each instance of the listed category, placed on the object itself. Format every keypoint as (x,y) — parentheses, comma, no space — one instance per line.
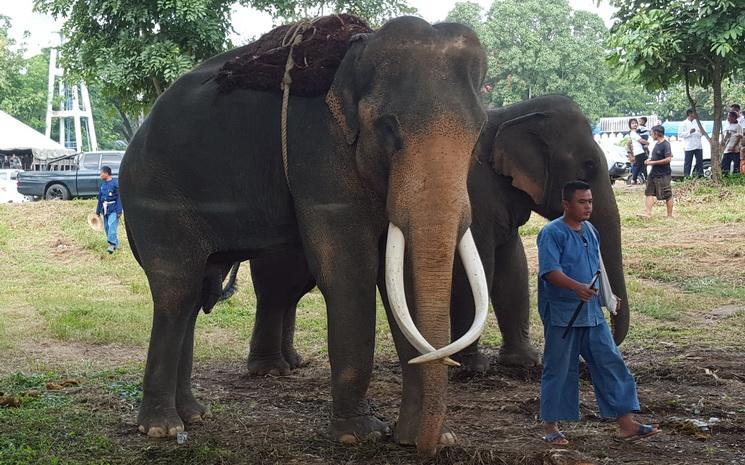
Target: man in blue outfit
(569,259)
(110,207)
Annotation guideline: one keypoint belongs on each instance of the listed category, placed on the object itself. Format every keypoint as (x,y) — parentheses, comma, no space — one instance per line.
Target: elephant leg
(510,298)
(280,280)
(188,408)
(176,301)
(342,253)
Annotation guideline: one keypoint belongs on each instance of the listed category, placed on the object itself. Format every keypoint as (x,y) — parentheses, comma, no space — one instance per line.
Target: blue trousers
(615,388)
(110,225)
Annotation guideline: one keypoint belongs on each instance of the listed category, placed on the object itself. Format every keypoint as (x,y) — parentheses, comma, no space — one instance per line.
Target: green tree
(699,43)
(135,49)
(376,12)
(536,48)
(132,50)
(11,63)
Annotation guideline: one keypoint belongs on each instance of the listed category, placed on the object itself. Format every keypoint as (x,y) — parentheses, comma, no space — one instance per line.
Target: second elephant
(524,156)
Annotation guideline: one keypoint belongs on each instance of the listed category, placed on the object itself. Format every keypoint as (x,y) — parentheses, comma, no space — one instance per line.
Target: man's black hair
(106,169)
(689,112)
(659,128)
(567,192)
(735,107)
(645,120)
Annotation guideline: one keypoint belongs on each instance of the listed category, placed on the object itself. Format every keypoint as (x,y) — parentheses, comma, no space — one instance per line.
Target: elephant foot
(358,429)
(262,366)
(190,410)
(405,434)
(524,356)
(159,422)
(474,363)
(293,359)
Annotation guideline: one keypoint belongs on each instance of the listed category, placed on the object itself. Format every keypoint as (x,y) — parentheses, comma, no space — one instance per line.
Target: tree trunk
(716,155)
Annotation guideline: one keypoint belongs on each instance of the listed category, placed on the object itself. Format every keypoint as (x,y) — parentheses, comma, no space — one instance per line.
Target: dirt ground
(267,420)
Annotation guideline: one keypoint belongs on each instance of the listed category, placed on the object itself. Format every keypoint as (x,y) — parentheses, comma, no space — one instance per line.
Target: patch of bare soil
(271,420)
(63,355)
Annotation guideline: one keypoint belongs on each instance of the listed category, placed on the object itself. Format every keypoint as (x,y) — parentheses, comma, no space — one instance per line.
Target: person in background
(740,115)
(660,177)
(15,162)
(690,134)
(644,132)
(110,207)
(731,140)
(568,259)
(637,150)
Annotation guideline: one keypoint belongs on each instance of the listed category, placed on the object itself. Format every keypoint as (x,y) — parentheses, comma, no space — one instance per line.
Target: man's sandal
(556,438)
(643,432)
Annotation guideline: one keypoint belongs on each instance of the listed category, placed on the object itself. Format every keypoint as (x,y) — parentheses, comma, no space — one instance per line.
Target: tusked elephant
(526,153)
(386,149)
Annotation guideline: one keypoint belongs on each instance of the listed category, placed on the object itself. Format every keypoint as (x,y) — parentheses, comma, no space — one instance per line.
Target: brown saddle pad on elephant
(261,64)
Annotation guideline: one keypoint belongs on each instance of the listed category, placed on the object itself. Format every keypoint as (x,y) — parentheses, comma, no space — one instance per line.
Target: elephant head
(544,149)
(407,101)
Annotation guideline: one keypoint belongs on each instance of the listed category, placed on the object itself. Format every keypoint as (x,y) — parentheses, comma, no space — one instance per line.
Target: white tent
(14,135)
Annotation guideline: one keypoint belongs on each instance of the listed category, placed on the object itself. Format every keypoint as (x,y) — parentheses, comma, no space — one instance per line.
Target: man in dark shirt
(110,207)
(658,184)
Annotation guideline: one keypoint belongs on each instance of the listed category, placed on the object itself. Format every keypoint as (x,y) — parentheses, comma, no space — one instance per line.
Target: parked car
(9,187)
(81,181)
(618,166)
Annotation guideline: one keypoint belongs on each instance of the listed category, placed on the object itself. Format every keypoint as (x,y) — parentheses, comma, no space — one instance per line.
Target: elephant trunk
(432,210)
(606,219)
(432,256)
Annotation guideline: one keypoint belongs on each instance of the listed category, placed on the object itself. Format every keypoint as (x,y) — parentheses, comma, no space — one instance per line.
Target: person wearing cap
(573,325)
(109,207)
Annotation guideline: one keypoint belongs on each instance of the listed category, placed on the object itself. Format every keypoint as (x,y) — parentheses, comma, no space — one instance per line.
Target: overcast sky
(246,22)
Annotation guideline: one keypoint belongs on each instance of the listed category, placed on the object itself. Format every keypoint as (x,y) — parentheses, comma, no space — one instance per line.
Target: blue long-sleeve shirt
(575,253)
(109,192)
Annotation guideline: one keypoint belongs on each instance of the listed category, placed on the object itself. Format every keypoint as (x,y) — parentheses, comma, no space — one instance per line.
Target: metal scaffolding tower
(74,112)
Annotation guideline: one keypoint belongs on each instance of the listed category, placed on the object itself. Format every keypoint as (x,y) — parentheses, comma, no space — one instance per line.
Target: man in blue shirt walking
(110,207)
(569,258)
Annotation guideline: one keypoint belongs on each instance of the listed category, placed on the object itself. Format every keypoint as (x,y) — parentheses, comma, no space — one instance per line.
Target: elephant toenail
(348,439)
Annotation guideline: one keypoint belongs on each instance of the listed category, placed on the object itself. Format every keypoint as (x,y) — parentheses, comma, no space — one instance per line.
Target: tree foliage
(376,12)
(536,48)
(132,50)
(697,43)
(136,48)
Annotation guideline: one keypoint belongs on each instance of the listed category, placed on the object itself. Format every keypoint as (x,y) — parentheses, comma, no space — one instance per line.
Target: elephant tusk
(394,280)
(469,255)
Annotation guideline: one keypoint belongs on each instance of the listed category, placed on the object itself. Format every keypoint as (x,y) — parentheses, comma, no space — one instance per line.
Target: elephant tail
(232,285)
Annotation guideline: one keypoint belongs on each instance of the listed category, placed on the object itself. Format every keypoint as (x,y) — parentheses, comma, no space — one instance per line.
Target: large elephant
(525,154)
(204,186)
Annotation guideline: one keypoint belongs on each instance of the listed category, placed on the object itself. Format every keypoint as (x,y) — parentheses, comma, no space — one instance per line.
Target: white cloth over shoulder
(607,298)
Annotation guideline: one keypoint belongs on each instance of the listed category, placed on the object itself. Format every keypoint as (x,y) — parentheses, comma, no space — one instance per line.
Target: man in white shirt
(740,116)
(690,135)
(731,141)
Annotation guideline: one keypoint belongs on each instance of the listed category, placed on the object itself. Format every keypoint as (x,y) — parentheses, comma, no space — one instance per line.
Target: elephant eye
(589,165)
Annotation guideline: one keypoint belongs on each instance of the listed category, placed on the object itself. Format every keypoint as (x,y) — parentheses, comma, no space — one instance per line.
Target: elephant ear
(521,151)
(343,96)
